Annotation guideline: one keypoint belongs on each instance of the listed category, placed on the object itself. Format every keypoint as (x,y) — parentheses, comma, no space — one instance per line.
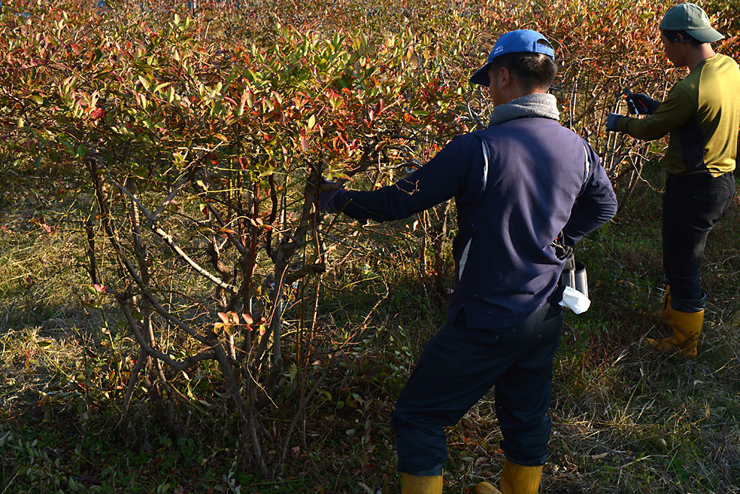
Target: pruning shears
(636,105)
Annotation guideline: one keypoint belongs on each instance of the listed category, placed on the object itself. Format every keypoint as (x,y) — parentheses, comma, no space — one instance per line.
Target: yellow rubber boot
(411,484)
(485,488)
(515,479)
(666,313)
(686,331)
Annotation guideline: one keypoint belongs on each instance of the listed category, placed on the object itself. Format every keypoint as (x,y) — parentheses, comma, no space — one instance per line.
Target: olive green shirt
(702,115)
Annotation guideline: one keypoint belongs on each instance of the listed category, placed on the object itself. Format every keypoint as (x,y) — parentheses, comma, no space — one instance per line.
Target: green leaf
(162,86)
(144,82)
(293,371)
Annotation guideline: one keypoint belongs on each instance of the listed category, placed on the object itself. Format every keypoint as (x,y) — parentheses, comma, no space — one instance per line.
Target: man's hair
(532,71)
(672,36)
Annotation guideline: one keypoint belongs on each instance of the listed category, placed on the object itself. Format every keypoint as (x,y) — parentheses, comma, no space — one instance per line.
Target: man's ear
(678,38)
(503,77)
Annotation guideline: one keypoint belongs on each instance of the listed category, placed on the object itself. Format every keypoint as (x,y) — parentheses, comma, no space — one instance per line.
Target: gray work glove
(641,104)
(612,121)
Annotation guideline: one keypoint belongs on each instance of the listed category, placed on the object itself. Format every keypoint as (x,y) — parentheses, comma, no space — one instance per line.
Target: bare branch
(184,180)
(170,241)
(175,364)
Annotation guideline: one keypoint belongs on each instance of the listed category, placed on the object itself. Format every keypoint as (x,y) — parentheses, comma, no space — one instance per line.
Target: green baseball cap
(692,19)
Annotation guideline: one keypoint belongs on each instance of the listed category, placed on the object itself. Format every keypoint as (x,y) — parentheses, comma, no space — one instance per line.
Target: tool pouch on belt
(574,272)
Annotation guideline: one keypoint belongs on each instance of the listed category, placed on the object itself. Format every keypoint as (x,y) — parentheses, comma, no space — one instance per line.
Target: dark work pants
(458,366)
(692,205)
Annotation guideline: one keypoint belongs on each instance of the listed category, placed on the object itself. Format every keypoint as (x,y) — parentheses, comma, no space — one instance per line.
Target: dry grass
(625,420)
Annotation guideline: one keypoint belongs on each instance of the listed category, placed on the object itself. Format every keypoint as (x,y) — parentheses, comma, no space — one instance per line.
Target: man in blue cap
(702,116)
(518,185)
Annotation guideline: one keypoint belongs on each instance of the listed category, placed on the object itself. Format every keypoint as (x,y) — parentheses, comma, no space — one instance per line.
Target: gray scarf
(531,105)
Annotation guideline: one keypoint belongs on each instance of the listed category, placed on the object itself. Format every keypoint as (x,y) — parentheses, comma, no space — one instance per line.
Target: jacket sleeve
(671,114)
(441,179)
(596,204)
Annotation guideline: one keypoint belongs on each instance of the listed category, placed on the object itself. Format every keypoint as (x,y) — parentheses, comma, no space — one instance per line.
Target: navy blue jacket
(536,183)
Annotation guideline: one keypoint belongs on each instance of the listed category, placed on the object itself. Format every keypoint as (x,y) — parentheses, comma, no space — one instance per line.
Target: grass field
(625,419)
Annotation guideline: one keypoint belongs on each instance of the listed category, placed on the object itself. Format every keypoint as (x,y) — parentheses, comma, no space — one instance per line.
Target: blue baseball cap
(519,41)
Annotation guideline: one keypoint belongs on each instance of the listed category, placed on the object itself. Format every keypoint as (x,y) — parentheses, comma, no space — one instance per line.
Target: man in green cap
(702,116)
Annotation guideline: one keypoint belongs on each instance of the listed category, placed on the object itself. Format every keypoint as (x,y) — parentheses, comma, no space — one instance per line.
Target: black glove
(612,121)
(641,104)
(331,200)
